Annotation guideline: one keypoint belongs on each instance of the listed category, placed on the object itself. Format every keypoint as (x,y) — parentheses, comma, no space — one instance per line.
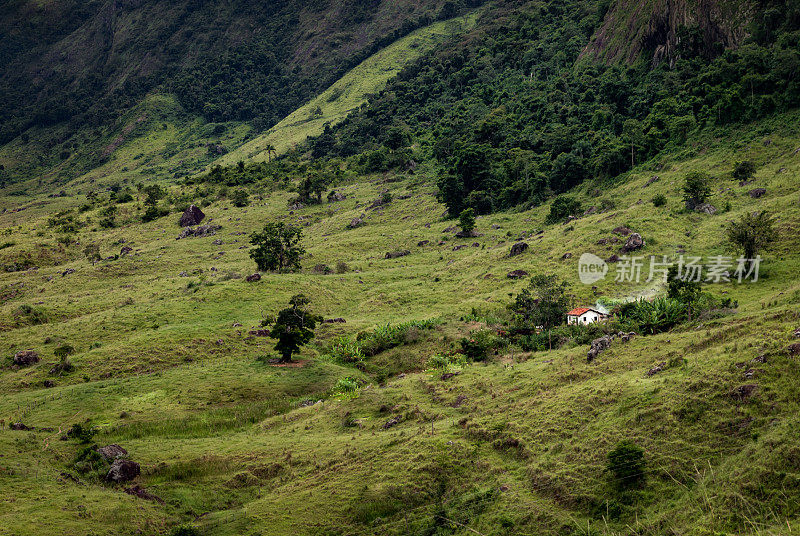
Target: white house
(584,315)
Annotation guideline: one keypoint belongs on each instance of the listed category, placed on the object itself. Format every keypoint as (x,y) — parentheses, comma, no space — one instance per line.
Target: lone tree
(542,304)
(278,247)
(696,189)
(751,234)
(294,327)
(467,220)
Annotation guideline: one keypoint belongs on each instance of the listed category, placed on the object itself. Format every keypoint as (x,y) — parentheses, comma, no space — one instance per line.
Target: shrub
(627,464)
(744,170)
(346,386)
(660,200)
(240,198)
(345,350)
(341,267)
(696,189)
(561,208)
(27,314)
(479,344)
(81,433)
(661,314)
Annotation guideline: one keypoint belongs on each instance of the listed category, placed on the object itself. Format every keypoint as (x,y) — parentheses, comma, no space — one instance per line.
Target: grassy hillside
(232,444)
(349,92)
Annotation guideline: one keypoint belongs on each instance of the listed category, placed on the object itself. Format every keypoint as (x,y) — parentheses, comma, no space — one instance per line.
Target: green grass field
(164,366)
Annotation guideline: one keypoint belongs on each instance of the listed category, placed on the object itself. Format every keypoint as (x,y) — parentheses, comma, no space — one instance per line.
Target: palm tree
(270,151)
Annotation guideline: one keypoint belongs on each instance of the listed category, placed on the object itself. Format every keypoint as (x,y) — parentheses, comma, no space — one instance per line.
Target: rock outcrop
(191,216)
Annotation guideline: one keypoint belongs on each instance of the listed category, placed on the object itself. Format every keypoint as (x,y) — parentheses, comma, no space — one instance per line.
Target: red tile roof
(579,311)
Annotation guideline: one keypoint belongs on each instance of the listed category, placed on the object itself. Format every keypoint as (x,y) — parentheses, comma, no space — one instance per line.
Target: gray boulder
(26,358)
(123,471)
(112,452)
(518,249)
(634,242)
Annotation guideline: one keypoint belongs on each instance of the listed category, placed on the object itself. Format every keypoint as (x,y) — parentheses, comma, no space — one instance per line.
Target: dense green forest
(514,114)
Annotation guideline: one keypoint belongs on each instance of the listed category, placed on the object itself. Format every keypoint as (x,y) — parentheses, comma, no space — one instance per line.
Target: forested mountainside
(542,97)
(87,62)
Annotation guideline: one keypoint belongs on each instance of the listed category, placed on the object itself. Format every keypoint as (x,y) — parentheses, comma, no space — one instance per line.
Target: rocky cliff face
(662,30)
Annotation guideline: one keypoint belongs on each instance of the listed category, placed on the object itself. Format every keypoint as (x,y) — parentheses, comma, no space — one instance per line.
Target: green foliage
(278,247)
(543,303)
(153,212)
(561,208)
(82,433)
(744,171)
(467,220)
(63,351)
(346,387)
(31,315)
(627,464)
(681,288)
(570,120)
(445,362)
(696,189)
(185,530)
(659,200)
(240,198)
(480,344)
(751,234)
(345,350)
(656,316)
(294,327)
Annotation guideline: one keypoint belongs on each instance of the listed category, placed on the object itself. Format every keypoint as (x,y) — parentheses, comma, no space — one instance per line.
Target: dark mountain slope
(87,62)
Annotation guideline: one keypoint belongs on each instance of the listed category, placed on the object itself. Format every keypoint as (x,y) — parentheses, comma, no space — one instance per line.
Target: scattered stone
(391,422)
(260,332)
(397,254)
(356,222)
(589,211)
(253,278)
(112,452)
(743,392)
(335,196)
(138,491)
(656,369)
(191,216)
(19,427)
(518,249)
(598,346)
(321,269)
(67,272)
(651,180)
(459,401)
(199,231)
(472,234)
(797,333)
(456,248)
(612,259)
(634,242)
(794,349)
(566,256)
(423,243)
(448,375)
(517,274)
(125,250)
(622,230)
(217,242)
(334,321)
(123,471)
(49,383)
(706,208)
(26,358)
(755,193)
